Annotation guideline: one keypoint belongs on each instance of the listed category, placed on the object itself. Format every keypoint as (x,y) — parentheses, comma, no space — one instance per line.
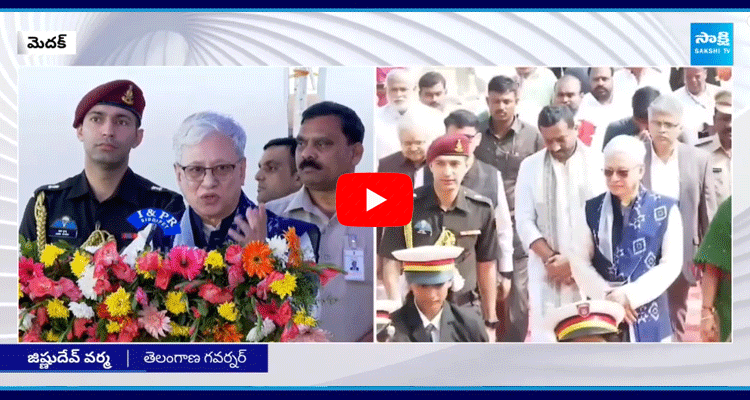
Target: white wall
(255,96)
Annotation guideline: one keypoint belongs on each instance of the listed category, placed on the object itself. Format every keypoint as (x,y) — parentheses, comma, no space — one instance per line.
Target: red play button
(374,199)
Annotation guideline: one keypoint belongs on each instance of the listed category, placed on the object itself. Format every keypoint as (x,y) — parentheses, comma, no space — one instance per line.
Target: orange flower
(295,248)
(292,238)
(256,259)
(226,333)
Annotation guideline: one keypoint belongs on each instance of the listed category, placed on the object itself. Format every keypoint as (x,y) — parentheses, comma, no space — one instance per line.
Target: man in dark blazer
(683,172)
(427,315)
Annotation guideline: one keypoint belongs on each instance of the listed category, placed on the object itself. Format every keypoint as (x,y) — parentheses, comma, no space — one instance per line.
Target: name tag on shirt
(470,233)
(717,169)
(354,264)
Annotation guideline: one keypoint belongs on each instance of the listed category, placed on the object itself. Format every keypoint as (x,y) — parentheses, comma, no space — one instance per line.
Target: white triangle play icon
(373,200)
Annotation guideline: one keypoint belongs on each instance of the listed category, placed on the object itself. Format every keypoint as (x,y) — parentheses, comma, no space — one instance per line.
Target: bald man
(568,93)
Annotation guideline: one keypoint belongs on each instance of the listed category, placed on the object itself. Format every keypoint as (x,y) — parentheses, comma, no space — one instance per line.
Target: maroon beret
(448,145)
(121,93)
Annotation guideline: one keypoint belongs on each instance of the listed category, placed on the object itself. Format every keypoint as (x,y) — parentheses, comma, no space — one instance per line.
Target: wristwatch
(492,325)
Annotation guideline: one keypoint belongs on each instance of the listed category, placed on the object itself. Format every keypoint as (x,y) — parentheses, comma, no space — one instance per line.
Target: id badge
(354,260)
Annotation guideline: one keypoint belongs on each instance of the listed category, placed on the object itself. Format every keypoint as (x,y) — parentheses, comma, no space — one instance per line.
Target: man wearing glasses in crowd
(210,168)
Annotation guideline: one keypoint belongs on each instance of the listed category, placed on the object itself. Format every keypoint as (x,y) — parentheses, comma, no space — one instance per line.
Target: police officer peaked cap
(584,318)
(120,93)
(428,265)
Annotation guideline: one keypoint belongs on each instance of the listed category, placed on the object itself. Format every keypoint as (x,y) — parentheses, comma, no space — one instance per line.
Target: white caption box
(46,42)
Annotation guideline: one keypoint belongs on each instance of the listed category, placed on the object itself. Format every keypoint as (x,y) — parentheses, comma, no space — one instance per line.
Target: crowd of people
(571,204)
(580,198)
(296,188)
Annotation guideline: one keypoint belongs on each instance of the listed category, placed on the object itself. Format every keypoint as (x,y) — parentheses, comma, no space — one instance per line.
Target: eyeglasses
(196,173)
(621,173)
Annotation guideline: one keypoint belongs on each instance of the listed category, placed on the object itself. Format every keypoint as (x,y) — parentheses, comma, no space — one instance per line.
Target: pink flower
(33,335)
(155,322)
(196,314)
(28,269)
(124,272)
(91,333)
(141,297)
(290,333)
(42,286)
(80,327)
(41,318)
(186,261)
(102,284)
(69,289)
(129,331)
(233,255)
(107,255)
(149,261)
(162,278)
(236,276)
(214,294)
(192,287)
(326,275)
(264,286)
(312,335)
(279,315)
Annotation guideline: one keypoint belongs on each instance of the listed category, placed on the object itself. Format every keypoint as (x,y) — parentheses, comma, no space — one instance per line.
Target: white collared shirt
(601,115)
(434,322)
(665,177)
(697,111)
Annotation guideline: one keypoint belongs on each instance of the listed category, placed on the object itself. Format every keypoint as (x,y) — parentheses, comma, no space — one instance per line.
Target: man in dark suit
(427,315)
(637,124)
(682,172)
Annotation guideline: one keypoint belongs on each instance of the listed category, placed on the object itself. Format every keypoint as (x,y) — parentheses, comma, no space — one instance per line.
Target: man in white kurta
(552,188)
(400,86)
(602,105)
(697,98)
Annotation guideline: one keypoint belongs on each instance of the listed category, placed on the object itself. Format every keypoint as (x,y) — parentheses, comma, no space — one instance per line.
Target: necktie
(432,331)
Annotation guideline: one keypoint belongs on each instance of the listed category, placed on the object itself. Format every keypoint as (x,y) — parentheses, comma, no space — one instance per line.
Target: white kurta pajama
(576,181)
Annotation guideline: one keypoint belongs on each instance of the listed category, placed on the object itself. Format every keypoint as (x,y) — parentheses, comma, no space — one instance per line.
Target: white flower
(25,319)
(268,327)
(86,282)
(278,247)
(81,310)
(254,334)
(261,330)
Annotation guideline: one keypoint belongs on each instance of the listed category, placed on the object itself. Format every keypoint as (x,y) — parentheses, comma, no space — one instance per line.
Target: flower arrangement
(263,292)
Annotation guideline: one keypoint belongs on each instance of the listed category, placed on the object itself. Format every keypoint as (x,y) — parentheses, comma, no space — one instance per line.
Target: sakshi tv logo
(712,44)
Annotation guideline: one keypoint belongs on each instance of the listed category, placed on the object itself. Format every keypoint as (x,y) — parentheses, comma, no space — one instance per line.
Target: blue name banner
(135,358)
(166,221)
(712,44)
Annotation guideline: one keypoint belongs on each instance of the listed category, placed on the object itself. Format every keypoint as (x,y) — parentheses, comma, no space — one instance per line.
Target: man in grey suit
(682,172)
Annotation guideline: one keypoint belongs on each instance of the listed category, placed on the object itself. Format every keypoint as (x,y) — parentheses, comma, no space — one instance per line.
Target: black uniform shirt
(472,221)
(73,211)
